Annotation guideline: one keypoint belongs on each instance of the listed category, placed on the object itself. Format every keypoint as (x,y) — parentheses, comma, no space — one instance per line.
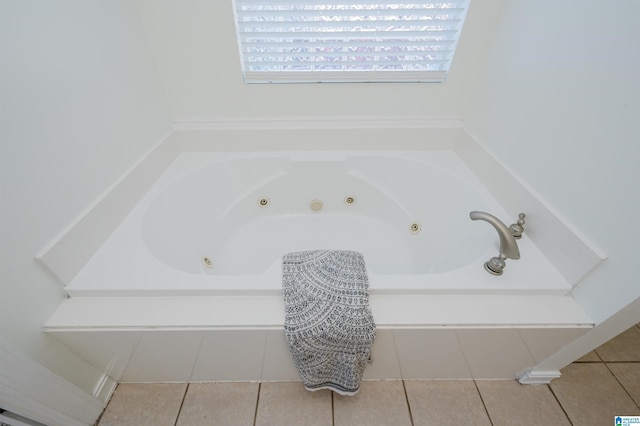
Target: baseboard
(105,389)
(531,377)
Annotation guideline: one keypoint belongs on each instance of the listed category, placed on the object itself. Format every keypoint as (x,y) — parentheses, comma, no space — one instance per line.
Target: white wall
(558,104)
(79,104)
(194,45)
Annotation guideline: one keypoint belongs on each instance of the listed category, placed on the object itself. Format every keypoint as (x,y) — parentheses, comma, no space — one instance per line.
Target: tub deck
(159,248)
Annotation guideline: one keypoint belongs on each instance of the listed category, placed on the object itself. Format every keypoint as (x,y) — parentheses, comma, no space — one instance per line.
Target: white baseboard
(105,389)
(531,377)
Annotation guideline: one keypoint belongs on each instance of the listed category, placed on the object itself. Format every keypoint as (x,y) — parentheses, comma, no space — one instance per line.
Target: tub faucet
(508,244)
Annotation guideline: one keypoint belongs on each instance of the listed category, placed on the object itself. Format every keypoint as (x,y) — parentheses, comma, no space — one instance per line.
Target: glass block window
(303,41)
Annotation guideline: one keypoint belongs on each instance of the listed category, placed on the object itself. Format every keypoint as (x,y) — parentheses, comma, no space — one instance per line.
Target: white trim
(105,388)
(600,334)
(68,252)
(320,77)
(330,123)
(265,312)
(53,401)
(531,377)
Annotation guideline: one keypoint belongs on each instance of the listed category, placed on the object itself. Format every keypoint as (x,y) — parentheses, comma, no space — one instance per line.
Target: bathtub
(219,223)
(188,287)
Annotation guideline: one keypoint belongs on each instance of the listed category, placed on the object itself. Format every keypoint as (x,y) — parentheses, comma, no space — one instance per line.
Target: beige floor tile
(219,404)
(377,403)
(629,375)
(624,347)
(510,403)
(289,403)
(140,404)
(452,402)
(590,357)
(591,395)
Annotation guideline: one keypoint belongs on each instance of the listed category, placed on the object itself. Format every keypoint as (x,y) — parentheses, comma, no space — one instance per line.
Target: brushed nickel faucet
(508,245)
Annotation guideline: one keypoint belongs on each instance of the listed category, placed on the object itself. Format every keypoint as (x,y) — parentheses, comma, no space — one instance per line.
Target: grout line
(181,404)
(621,385)
(595,351)
(482,400)
(406,397)
(333,413)
(560,404)
(255,413)
(197,358)
(264,354)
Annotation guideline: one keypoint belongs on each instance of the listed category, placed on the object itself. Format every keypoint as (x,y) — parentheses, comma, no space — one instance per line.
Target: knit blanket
(328,324)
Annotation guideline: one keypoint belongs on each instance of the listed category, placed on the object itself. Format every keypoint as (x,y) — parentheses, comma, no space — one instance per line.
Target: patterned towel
(328,323)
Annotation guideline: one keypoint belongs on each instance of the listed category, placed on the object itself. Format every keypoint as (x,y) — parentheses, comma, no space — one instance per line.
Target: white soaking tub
(219,223)
(188,287)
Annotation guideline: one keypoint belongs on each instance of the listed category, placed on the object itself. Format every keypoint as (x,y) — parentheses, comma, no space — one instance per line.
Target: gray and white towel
(328,322)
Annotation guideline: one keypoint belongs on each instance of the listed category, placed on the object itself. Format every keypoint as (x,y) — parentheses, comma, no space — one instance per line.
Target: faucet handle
(517,229)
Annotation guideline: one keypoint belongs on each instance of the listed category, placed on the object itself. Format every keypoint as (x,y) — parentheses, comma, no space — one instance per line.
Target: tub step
(391,311)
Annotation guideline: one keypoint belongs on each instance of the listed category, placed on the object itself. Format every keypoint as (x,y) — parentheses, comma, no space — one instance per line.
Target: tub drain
(414,228)
(207,262)
(315,205)
(263,202)
(349,200)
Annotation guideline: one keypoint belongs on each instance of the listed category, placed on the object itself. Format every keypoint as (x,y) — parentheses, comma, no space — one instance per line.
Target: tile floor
(591,391)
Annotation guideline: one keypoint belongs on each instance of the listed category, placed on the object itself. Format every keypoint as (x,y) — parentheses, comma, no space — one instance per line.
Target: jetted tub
(220,223)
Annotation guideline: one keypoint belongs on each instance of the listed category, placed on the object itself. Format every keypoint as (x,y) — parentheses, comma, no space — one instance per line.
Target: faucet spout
(508,245)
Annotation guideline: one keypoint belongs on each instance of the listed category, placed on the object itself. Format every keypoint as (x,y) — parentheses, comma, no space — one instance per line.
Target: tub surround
(439,327)
(571,253)
(156,252)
